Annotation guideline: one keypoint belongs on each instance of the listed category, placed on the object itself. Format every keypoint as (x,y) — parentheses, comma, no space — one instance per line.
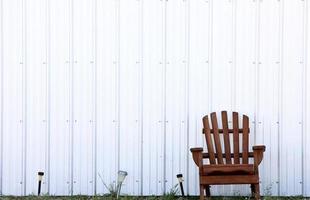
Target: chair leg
(207,188)
(201,192)
(208,194)
(257,194)
(252,190)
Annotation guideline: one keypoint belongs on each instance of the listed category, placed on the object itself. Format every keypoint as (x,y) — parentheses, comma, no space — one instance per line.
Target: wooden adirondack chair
(236,169)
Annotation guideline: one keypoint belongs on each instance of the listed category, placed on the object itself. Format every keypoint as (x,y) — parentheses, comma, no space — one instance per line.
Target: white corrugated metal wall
(92,86)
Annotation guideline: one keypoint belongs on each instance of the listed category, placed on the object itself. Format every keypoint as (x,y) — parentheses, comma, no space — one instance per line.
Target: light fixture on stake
(180,179)
(121,175)
(40,176)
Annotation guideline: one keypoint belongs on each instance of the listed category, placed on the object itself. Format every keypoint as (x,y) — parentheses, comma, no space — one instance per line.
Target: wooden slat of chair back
(215,132)
(209,142)
(226,137)
(217,140)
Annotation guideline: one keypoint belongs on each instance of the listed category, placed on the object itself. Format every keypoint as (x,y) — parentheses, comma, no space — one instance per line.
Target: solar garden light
(120,179)
(40,176)
(180,179)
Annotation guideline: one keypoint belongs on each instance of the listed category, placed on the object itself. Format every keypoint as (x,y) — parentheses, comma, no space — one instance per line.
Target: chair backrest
(213,139)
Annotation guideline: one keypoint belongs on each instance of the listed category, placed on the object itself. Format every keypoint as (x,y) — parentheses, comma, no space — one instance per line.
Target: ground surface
(167,197)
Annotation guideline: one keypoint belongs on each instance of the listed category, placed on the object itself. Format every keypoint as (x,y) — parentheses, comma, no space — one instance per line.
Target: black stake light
(40,176)
(180,179)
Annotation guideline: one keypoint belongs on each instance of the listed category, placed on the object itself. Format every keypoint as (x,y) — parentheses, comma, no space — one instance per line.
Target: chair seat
(228,169)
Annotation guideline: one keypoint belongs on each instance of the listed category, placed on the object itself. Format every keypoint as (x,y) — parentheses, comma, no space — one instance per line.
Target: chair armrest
(197,156)
(258,152)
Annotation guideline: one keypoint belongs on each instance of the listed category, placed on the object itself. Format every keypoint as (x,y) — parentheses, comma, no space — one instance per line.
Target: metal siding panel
(130,122)
(175,92)
(13,99)
(153,113)
(244,82)
(83,67)
(222,55)
(1,96)
(121,90)
(199,83)
(306,138)
(268,89)
(59,98)
(36,88)
(290,158)
(222,61)
(107,121)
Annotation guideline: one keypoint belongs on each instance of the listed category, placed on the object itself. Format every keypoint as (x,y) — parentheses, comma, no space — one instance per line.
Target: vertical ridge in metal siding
(164,93)
(280,97)
(306,175)
(1,96)
(24,97)
(71,93)
(141,58)
(94,92)
(304,95)
(48,93)
(117,80)
(210,54)
(306,178)
(187,56)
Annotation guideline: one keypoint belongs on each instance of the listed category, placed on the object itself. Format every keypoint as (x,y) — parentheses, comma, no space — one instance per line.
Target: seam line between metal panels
(233,52)
(257,70)
(71,94)
(141,92)
(117,80)
(1,65)
(305,183)
(165,90)
(94,121)
(280,97)
(187,93)
(24,82)
(304,94)
(48,66)
(210,71)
